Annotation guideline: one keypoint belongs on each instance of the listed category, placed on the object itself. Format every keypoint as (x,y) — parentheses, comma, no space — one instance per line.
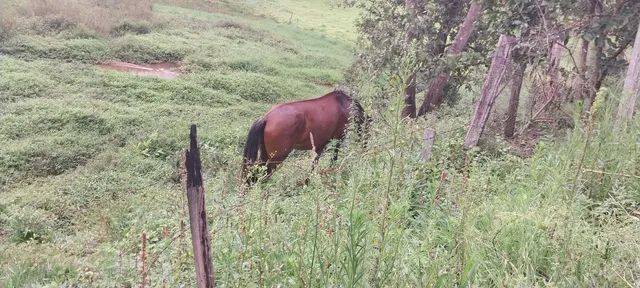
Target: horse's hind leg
(271,167)
(253,177)
(275,161)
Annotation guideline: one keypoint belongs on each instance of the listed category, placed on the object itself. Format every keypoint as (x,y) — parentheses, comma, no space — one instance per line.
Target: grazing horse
(302,125)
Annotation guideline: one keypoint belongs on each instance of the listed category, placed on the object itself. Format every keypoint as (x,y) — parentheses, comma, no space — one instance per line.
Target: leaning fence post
(198,215)
(490,90)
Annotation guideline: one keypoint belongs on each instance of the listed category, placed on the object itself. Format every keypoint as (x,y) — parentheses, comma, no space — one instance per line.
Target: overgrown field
(88,164)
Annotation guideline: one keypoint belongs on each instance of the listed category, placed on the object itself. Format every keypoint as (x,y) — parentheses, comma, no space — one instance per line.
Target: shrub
(249,86)
(158,146)
(29,224)
(145,50)
(33,47)
(130,27)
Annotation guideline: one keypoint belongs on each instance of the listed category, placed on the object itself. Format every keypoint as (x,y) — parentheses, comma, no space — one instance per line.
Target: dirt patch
(161,70)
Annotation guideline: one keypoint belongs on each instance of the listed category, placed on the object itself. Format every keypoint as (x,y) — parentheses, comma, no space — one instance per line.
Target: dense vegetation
(88,163)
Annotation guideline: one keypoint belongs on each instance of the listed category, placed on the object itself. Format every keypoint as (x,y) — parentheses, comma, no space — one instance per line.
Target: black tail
(254,148)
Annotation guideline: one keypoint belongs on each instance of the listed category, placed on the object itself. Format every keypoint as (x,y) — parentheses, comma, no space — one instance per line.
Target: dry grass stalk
(98,15)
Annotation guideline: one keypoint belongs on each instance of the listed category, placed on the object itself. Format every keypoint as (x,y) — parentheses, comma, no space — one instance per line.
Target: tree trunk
(409,109)
(490,90)
(594,61)
(594,72)
(435,92)
(631,87)
(514,100)
(577,86)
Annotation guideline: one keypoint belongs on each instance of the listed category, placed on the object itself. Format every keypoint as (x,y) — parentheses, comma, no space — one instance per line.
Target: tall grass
(95,15)
(500,221)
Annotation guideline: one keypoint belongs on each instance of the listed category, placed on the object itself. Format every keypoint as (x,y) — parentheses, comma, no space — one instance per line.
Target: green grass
(323,16)
(85,150)
(88,163)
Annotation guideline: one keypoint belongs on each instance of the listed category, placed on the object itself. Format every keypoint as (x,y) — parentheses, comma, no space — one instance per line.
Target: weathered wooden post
(514,99)
(429,137)
(198,215)
(630,90)
(553,71)
(490,90)
(143,262)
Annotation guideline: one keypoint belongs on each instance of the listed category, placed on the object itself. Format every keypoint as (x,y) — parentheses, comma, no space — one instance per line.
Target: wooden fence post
(198,215)
(143,262)
(514,100)
(490,90)
(631,87)
(428,138)
(553,71)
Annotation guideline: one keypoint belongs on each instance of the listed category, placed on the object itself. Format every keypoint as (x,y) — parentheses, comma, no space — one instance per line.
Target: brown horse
(302,125)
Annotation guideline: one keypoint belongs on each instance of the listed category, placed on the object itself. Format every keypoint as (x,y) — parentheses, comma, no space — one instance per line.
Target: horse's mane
(349,95)
(344,91)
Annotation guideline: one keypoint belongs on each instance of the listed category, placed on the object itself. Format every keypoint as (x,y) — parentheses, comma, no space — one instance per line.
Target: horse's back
(295,123)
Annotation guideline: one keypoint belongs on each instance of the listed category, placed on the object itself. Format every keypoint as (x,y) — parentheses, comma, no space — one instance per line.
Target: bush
(34,47)
(51,24)
(158,147)
(145,50)
(130,27)
(51,156)
(29,224)
(249,86)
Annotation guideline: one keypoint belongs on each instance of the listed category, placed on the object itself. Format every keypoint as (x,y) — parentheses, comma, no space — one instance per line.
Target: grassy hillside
(88,164)
(322,16)
(88,155)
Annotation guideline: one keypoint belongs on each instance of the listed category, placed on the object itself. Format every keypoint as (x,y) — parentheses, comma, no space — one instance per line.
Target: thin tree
(577,85)
(409,110)
(553,70)
(435,92)
(594,60)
